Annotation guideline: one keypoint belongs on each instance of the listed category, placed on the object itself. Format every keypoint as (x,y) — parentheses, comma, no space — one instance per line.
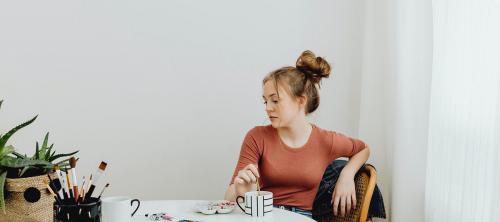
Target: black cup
(90,211)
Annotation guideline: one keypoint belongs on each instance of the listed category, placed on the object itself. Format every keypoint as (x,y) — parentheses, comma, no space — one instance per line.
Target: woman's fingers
(336,200)
(254,170)
(243,175)
(238,180)
(348,203)
(353,200)
(342,205)
(252,176)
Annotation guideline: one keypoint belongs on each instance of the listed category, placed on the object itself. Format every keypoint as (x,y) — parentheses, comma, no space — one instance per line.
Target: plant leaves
(61,155)
(12,162)
(6,151)
(48,154)
(26,168)
(45,141)
(18,155)
(37,152)
(63,162)
(3,175)
(11,132)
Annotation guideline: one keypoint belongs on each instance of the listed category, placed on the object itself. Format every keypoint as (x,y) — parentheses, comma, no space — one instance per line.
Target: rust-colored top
(293,174)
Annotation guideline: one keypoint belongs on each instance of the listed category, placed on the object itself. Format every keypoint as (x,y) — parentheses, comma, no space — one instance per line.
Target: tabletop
(186,210)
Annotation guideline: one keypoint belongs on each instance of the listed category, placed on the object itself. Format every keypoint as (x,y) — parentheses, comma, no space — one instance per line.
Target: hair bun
(314,67)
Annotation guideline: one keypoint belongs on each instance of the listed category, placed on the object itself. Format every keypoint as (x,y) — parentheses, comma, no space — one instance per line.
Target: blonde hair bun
(313,67)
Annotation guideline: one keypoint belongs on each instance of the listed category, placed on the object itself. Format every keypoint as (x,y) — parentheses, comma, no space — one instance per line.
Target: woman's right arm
(243,182)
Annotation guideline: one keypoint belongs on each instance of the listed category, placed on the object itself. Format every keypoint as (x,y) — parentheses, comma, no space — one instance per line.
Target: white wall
(164,91)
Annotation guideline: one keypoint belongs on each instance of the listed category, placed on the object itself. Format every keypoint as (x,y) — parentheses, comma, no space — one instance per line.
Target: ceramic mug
(256,205)
(118,209)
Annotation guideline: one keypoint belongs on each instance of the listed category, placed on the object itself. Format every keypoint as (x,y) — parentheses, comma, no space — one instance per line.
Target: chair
(365,184)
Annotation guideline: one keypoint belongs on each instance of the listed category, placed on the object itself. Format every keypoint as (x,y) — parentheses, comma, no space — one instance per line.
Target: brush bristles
(103,165)
(72,162)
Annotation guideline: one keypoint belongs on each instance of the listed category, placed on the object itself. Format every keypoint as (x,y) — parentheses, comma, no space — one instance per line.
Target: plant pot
(27,200)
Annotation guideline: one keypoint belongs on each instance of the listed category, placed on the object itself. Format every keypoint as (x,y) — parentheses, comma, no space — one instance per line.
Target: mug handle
(238,202)
(138,205)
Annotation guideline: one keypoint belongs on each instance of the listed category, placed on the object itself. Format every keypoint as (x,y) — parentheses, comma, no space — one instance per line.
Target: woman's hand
(245,178)
(344,195)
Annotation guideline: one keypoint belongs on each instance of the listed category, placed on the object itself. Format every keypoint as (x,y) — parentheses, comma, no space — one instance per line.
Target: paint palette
(213,207)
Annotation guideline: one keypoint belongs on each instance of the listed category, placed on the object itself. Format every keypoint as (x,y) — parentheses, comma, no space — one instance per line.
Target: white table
(186,209)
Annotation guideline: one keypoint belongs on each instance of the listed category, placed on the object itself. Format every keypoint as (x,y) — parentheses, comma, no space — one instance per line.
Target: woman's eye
(274,101)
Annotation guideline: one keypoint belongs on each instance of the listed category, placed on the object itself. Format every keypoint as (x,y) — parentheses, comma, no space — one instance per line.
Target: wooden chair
(365,184)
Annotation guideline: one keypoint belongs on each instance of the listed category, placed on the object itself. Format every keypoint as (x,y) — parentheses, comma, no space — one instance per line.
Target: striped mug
(255,205)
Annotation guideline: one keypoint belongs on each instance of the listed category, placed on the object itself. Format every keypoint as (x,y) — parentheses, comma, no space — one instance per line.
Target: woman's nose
(268,107)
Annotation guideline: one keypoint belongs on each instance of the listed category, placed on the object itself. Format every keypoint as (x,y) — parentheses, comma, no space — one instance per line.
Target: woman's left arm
(344,195)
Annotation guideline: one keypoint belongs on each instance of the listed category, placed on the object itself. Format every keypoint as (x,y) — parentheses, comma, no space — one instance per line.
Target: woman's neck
(297,132)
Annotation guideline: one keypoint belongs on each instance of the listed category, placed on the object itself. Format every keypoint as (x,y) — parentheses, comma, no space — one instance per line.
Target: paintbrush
(86,189)
(258,187)
(62,181)
(82,191)
(107,185)
(97,175)
(70,189)
(72,163)
(52,192)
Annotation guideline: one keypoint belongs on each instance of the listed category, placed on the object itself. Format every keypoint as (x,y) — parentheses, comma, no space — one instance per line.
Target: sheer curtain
(430,107)
(462,179)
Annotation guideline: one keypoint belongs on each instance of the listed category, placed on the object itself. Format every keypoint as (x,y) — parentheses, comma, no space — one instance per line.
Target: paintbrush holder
(90,211)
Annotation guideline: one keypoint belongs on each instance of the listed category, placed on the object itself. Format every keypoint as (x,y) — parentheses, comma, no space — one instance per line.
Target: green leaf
(18,155)
(48,154)
(37,152)
(26,168)
(11,132)
(61,155)
(18,163)
(45,141)
(6,151)
(64,162)
(3,175)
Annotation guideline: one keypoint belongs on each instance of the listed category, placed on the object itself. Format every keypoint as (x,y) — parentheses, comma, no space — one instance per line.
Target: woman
(289,156)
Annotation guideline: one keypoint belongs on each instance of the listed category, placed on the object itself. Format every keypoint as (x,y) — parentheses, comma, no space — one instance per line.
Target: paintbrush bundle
(74,202)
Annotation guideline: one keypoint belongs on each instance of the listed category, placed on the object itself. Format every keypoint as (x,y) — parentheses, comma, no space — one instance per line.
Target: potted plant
(23,194)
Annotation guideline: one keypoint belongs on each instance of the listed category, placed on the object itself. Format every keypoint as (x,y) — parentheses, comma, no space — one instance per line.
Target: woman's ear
(302,100)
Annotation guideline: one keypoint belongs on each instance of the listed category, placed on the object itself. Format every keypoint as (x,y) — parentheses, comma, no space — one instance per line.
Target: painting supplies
(97,175)
(62,181)
(72,163)
(107,185)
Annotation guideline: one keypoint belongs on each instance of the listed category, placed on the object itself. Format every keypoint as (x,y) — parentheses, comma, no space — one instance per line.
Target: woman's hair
(303,79)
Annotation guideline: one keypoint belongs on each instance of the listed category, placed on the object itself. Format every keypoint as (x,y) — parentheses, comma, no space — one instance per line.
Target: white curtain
(430,107)
(462,178)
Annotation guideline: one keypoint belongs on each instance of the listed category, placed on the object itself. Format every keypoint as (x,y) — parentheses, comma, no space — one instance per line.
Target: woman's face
(281,110)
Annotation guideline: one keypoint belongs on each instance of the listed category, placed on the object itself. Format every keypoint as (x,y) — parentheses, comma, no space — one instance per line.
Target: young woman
(290,156)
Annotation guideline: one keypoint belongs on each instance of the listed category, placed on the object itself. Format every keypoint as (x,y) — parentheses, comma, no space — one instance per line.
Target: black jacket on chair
(322,203)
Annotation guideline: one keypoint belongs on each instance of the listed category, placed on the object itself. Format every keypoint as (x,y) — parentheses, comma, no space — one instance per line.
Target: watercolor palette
(213,207)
